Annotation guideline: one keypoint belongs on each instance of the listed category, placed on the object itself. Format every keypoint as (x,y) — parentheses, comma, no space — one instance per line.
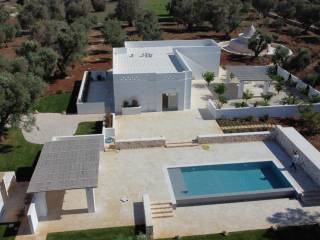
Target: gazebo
(242,74)
(64,165)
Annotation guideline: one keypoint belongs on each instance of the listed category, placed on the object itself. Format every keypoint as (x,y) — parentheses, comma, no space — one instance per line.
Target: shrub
(315,99)
(264,118)
(304,90)
(98,5)
(312,79)
(125,104)
(293,31)
(240,105)
(60,91)
(134,103)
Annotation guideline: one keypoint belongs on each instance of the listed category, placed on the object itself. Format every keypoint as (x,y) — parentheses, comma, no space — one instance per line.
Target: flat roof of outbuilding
(67,164)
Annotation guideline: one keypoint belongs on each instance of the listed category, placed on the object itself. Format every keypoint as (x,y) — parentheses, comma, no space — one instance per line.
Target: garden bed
(85,128)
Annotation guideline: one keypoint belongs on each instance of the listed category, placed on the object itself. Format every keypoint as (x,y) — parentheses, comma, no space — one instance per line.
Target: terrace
(126,175)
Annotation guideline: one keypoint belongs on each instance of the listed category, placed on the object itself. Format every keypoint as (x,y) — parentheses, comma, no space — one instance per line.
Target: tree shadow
(24,174)
(100,60)
(309,232)
(72,105)
(99,51)
(5,148)
(294,216)
(98,127)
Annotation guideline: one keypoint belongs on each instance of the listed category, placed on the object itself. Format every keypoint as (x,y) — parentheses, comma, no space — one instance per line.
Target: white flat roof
(153,56)
(145,60)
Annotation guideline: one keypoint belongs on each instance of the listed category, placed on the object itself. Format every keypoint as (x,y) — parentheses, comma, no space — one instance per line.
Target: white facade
(158,74)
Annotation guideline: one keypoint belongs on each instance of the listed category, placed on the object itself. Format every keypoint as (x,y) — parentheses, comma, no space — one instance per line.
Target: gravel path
(49,125)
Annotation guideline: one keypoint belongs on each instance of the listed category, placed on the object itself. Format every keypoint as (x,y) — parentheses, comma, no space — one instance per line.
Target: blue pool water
(226,178)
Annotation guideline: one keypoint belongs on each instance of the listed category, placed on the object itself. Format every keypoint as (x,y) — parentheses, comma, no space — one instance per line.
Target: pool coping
(230,197)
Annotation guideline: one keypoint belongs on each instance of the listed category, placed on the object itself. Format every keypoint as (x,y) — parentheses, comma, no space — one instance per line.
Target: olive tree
(258,42)
(148,26)
(113,33)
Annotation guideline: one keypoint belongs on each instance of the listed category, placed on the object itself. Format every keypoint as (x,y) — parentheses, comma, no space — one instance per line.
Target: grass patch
(8,231)
(16,154)
(89,128)
(56,103)
(311,232)
(157,6)
(122,233)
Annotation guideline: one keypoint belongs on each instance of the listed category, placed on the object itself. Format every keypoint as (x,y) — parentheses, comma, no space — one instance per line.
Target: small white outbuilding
(157,75)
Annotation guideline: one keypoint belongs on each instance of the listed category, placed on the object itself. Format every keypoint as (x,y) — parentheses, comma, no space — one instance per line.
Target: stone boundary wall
(140,143)
(147,215)
(291,140)
(233,137)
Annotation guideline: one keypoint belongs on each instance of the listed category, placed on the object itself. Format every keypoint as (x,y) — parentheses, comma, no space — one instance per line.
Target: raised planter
(131,110)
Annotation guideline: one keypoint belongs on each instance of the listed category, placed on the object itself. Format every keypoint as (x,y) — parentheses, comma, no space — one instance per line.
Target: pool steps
(161,210)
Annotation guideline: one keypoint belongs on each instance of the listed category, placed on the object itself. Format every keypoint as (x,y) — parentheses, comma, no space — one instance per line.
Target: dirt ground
(99,54)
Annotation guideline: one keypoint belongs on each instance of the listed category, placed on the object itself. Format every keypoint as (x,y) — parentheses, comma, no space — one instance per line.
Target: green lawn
(158,6)
(56,103)
(121,233)
(127,233)
(89,128)
(16,154)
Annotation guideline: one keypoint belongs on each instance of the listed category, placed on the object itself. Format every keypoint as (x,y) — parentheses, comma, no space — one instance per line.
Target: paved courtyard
(178,126)
(131,173)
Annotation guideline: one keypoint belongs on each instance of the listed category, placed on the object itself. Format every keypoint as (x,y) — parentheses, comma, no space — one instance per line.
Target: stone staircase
(181,144)
(311,198)
(161,210)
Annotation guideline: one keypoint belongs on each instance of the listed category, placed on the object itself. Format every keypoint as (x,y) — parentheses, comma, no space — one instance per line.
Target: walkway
(49,125)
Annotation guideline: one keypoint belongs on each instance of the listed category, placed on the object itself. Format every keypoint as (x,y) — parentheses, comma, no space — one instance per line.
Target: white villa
(157,75)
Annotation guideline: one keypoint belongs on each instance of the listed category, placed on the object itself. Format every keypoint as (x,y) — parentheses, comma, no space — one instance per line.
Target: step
(186,144)
(161,207)
(164,215)
(157,211)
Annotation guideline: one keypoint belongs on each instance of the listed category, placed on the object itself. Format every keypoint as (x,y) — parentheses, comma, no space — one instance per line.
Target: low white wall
(147,215)
(291,140)
(32,217)
(140,143)
(233,137)
(131,110)
(300,84)
(90,108)
(260,111)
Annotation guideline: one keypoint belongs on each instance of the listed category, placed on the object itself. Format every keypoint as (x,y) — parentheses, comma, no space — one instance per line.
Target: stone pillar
(41,204)
(90,200)
(240,89)
(266,87)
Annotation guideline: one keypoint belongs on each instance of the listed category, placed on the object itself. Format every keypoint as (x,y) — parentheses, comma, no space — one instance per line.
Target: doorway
(169,102)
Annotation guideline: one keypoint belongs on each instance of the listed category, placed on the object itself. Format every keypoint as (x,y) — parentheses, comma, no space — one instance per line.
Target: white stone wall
(260,111)
(148,88)
(32,217)
(291,140)
(147,215)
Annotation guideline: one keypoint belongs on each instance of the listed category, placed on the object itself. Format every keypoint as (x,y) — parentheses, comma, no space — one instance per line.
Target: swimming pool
(228,182)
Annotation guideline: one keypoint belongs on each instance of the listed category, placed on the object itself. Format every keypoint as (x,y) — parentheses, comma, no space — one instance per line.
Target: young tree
(280,56)
(18,94)
(308,14)
(98,5)
(208,77)
(127,10)
(71,44)
(266,98)
(4,14)
(279,86)
(258,42)
(113,33)
(225,16)
(222,100)
(300,61)
(76,9)
(247,95)
(188,13)
(220,88)
(263,6)
(148,26)
(286,9)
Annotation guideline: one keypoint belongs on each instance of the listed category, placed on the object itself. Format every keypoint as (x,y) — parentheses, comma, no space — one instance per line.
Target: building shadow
(138,213)
(10,230)
(205,114)
(72,105)
(294,216)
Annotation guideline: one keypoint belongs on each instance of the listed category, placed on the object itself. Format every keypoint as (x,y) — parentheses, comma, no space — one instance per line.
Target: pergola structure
(65,165)
(243,74)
